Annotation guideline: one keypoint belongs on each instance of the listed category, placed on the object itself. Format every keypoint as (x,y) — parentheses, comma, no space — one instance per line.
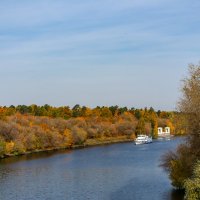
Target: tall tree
(140,128)
(180,163)
(76,111)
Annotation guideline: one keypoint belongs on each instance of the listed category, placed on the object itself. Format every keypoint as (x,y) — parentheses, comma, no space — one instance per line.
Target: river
(112,172)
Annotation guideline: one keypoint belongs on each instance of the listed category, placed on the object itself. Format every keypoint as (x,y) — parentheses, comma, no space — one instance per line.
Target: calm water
(115,172)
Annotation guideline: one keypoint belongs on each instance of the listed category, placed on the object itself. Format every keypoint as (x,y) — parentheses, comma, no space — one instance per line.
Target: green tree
(138,114)
(76,111)
(114,110)
(122,110)
(23,109)
(67,113)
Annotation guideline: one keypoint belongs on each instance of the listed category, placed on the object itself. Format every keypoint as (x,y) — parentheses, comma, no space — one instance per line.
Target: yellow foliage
(132,136)
(2,113)
(9,147)
(31,124)
(172,128)
(68,138)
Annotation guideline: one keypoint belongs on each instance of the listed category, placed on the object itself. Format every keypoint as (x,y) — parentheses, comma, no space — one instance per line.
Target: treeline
(29,128)
(66,112)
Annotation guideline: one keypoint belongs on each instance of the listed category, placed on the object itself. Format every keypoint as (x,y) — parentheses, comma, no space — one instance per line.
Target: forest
(34,128)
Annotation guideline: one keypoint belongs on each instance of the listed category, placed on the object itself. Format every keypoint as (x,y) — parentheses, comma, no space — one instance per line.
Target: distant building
(163,132)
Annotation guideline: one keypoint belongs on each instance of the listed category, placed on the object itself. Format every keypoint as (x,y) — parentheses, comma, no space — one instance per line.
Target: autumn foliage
(32,128)
(181,163)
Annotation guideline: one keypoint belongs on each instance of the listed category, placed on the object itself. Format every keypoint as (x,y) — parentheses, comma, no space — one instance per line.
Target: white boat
(143,139)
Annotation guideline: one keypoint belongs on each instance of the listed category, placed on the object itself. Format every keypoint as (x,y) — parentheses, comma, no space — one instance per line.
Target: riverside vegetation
(34,128)
(183,165)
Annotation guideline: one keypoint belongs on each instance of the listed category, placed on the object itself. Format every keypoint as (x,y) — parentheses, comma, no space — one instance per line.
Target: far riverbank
(87,143)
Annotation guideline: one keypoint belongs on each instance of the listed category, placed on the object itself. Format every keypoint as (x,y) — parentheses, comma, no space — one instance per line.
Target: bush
(79,135)
(192,185)
(2,146)
(179,165)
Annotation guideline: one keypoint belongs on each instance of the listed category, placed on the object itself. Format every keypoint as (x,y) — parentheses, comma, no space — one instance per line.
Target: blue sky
(128,53)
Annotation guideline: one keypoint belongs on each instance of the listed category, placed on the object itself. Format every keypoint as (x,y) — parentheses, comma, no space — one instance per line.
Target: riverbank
(87,143)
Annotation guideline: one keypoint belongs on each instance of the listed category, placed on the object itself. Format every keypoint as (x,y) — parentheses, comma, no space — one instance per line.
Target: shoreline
(87,144)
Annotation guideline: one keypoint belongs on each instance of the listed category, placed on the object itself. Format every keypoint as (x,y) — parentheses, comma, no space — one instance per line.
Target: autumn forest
(25,129)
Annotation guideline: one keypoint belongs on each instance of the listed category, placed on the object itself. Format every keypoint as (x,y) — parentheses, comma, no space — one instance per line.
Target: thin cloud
(69,41)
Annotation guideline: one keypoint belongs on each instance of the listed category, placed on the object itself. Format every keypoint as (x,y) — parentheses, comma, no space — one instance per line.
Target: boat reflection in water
(143,139)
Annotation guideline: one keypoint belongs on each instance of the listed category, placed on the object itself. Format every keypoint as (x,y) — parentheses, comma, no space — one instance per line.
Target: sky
(130,53)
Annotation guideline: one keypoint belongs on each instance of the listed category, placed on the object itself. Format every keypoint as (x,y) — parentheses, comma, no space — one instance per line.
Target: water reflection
(33,156)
